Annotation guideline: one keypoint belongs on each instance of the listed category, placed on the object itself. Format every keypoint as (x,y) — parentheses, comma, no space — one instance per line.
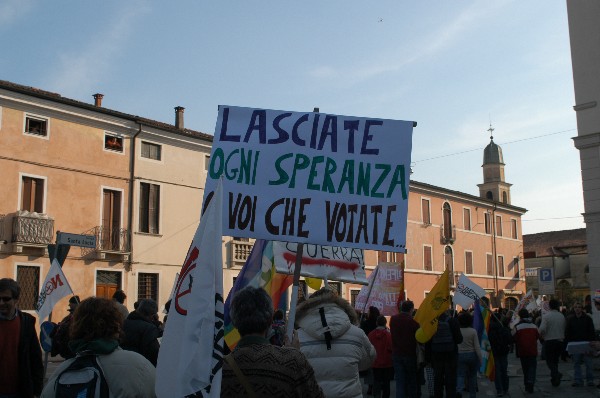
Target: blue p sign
(546,275)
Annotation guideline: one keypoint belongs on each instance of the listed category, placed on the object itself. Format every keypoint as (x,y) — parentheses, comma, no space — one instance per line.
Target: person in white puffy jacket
(332,342)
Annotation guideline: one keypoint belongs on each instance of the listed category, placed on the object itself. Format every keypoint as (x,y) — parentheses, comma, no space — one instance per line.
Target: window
(447,212)
(147,286)
(32,194)
(427,263)
(151,151)
(467,219)
(110,238)
(206,162)
(28,278)
(36,126)
(516,271)
(336,286)
(448,259)
(388,257)
(353,295)
(488,224)
(504,197)
(425,213)
(500,265)
(149,207)
(468,262)
(113,143)
(513,229)
(490,264)
(498,225)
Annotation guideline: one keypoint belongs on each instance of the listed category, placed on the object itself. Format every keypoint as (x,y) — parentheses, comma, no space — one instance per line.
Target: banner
(191,352)
(436,302)
(323,262)
(467,292)
(312,177)
(526,302)
(385,287)
(54,288)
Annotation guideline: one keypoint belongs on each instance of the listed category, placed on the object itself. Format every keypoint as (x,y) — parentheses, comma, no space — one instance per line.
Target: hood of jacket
(339,316)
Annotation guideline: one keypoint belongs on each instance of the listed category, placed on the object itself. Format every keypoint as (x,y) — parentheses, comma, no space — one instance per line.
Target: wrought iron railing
(30,228)
(239,252)
(447,234)
(111,239)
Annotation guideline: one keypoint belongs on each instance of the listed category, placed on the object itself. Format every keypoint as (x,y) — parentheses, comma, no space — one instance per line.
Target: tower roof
(492,154)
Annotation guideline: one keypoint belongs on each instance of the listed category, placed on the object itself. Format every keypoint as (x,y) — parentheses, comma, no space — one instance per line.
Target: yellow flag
(314,283)
(435,303)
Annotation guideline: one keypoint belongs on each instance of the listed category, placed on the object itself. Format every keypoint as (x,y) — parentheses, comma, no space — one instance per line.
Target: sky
(454,67)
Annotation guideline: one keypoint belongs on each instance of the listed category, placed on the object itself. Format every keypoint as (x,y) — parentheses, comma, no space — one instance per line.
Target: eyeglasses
(5,299)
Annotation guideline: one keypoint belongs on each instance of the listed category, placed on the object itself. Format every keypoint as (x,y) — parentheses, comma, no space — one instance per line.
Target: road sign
(546,280)
(46,329)
(64,238)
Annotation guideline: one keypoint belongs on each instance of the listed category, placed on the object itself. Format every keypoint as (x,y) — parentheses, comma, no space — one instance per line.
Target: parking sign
(546,280)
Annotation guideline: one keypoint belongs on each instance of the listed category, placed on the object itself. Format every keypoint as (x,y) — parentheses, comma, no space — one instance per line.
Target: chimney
(179,117)
(98,99)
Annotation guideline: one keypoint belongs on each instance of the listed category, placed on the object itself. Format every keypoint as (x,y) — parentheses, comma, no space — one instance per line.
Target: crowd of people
(330,350)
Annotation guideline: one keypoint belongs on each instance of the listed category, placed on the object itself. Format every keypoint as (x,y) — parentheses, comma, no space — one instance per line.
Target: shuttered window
(500,265)
(498,225)
(468,262)
(513,229)
(427,264)
(490,264)
(149,208)
(151,151)
(32,194)
(425,213)
(467,219)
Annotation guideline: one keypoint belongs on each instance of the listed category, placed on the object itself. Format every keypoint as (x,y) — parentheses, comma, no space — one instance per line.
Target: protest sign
(312,177)
(467,292)
(384,290)
(526,303)
(324,262)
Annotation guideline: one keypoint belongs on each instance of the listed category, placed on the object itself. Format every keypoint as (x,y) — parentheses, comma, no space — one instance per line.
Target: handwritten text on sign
(312,177)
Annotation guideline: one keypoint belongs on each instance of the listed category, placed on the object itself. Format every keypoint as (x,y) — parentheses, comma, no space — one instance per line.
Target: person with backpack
(277,333)
(526,338)
(100,365)
(444,355)
(501,341)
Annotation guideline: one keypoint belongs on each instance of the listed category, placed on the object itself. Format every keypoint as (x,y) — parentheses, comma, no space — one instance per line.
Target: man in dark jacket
(501,341)
(444,355)
(404,350)
(141,333)
(21,367)
(580,327)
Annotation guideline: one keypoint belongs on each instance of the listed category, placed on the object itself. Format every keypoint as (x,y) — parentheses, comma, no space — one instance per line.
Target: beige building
(133,183)
(584,32)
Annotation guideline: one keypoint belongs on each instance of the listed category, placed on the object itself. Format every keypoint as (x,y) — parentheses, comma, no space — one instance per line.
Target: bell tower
(494,187)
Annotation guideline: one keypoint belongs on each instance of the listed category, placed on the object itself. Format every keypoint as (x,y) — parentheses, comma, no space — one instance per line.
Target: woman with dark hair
(96,327)
(469,355)
(256,367)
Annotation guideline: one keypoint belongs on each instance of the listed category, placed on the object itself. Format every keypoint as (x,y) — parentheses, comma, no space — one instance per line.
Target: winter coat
(500,338)
(580,328)
(336,351)
(526,336)
(127,373)
(381,338)
(141,336)
(30,367)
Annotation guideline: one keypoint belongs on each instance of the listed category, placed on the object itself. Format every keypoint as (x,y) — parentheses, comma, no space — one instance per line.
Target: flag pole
(46,354)
(296,283)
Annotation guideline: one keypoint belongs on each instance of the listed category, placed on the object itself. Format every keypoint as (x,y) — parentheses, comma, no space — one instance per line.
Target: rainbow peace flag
(258,271)
(481,323)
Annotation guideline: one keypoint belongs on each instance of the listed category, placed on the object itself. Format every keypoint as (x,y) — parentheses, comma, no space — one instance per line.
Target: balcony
(111,243)
(239,251)
(447,234)
(27,231)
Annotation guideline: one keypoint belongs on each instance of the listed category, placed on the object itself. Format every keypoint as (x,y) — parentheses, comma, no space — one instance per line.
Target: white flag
(191,352)
(467,292)
(526,302)
(54,288)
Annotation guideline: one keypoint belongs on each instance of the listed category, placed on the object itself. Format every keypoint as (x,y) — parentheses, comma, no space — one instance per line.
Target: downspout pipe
(495,255)
(131,187)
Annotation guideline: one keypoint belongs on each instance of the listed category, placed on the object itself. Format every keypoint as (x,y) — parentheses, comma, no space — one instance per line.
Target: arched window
(448,259)
(489,195)
(447,221)
(504,197)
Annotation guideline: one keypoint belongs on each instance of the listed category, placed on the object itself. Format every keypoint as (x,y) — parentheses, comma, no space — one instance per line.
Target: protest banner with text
(311,177)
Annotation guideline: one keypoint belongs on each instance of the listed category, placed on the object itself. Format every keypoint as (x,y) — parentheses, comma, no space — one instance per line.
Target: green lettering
(283,176)
(330,168)
(385,171)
